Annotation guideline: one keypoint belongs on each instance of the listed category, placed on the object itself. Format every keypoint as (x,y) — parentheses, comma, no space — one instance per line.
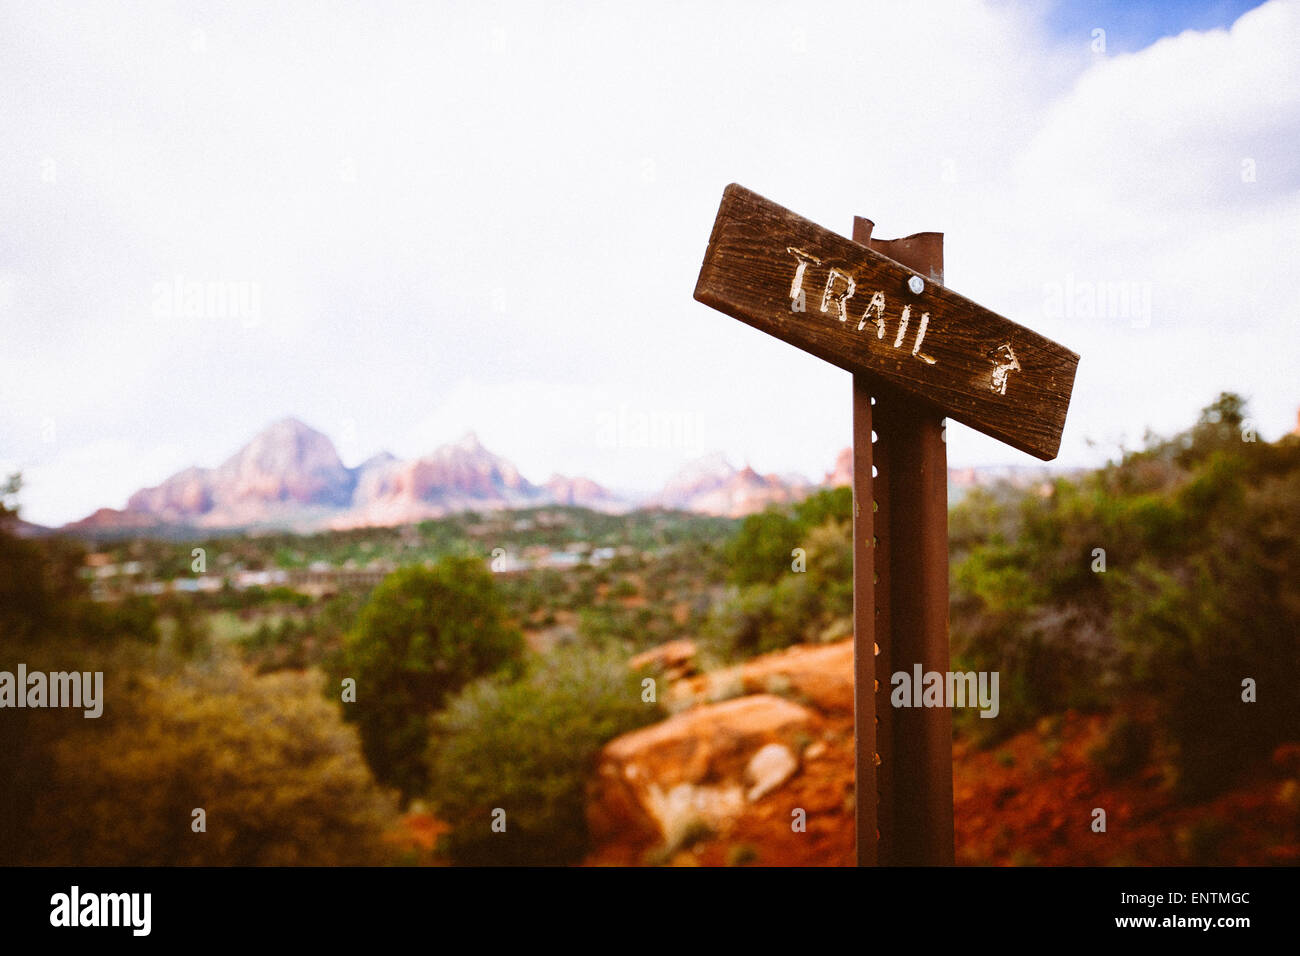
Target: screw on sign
(918,352)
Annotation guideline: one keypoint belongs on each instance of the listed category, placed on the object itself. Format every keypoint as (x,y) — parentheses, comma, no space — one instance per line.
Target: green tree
(832,504)
(760,551)
(777,604)
(424,633)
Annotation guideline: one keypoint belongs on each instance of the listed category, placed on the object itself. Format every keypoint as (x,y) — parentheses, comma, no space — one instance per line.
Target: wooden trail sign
(855,308)
(918,352)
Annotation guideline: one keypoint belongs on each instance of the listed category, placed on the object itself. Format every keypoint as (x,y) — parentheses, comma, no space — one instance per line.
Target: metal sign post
(918,352)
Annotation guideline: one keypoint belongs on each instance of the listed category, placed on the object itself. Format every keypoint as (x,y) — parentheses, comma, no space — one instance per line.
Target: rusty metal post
(900,560)
(865,698)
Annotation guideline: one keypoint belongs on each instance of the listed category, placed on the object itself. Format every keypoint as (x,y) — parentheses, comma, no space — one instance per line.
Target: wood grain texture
(858,312)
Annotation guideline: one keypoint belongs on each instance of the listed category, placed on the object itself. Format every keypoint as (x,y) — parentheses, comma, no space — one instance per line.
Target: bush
(528,748)
(1201,534)
(796,607)
(760,551)
(279,775)
(424,634)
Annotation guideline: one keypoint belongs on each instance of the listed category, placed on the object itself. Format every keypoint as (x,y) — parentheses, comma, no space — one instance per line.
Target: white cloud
(486,218)
(70,478)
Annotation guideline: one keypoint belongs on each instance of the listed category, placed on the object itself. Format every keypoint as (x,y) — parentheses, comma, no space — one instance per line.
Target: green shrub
(1201,534)
(279,776)
(796,606)
(759,553)
(760,550)
(423,635)
(528,747)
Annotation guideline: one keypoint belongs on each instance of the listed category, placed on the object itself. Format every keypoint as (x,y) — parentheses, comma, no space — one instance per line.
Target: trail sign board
(866,313)
(918,352)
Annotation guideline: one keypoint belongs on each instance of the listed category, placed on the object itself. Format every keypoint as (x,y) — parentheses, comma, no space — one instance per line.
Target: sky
(401,223)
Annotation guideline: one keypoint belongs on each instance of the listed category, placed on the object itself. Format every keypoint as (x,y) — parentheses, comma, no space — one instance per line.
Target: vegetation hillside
(1149,607)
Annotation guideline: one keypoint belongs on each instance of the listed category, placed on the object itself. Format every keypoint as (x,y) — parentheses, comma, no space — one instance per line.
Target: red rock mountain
(284,469)
(459,477)
(713,486)
(582,492)
(842,473)
(290,475)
